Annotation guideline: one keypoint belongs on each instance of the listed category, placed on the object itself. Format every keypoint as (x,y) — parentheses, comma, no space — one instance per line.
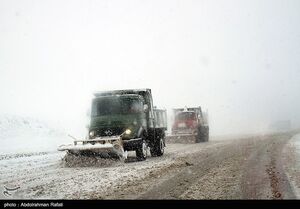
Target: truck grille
(110,131)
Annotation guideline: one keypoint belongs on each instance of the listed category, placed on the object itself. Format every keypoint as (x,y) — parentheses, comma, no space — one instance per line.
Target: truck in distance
(190,123)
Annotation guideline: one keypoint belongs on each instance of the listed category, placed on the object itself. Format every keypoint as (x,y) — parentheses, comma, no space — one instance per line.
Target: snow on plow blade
(104,147)
(181,138)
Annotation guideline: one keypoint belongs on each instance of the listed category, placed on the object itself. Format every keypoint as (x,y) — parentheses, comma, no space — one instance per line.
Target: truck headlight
(92,133)
(127,131)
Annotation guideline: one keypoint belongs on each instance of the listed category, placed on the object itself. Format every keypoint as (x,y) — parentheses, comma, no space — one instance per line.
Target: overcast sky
(238,59)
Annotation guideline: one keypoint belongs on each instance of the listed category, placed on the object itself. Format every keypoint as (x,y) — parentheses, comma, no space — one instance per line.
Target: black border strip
(153,204)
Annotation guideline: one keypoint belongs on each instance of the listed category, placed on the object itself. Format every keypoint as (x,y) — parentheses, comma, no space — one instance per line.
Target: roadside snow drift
(26,135)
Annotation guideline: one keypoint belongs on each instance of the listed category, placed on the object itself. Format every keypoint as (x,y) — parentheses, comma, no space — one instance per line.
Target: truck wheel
(158,149)
(207,135)
(141,151)
(199,136)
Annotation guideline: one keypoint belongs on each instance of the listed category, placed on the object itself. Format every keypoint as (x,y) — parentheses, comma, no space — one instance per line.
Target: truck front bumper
(186,131)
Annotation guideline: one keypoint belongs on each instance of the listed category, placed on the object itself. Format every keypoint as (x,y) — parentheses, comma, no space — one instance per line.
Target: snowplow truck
(121,121)
(190,124)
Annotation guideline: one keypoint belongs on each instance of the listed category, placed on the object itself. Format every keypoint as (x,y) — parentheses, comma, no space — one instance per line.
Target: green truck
(121,121)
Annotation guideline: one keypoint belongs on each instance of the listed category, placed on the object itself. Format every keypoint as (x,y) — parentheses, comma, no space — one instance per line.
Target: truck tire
(199,136)
(158,148)
(207,134)
(141,151)
(202,135)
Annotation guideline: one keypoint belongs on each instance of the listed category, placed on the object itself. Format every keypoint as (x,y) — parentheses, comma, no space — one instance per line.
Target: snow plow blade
(182,138)
(104,147)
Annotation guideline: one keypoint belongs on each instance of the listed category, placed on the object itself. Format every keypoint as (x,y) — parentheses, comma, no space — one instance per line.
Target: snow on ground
(46,175)
(27,135)
(291,155)
(296,143)
(297,146)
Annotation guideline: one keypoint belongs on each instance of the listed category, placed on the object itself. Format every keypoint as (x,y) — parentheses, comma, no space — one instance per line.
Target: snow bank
(291,156)
(24,135)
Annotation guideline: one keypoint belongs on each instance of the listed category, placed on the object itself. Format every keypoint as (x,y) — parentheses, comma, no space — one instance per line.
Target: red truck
(190,122)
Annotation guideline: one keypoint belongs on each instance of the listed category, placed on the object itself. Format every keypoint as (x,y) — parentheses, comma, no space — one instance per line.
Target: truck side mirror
(146,107)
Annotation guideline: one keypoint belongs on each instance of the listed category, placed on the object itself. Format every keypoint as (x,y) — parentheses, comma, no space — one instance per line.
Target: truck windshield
(185,116)
(116,105)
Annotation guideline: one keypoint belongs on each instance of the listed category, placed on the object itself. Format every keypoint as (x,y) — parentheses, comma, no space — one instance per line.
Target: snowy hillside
(25,135)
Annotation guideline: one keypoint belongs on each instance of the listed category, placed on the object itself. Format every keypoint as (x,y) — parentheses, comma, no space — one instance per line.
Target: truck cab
(185,122)
(190,122)
(131,115)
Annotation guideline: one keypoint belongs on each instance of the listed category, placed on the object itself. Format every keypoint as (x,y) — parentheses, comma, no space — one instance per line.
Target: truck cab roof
(121,92)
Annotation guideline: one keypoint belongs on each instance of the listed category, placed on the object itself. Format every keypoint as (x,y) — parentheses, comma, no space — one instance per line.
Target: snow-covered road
(45,175)
(239,168)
